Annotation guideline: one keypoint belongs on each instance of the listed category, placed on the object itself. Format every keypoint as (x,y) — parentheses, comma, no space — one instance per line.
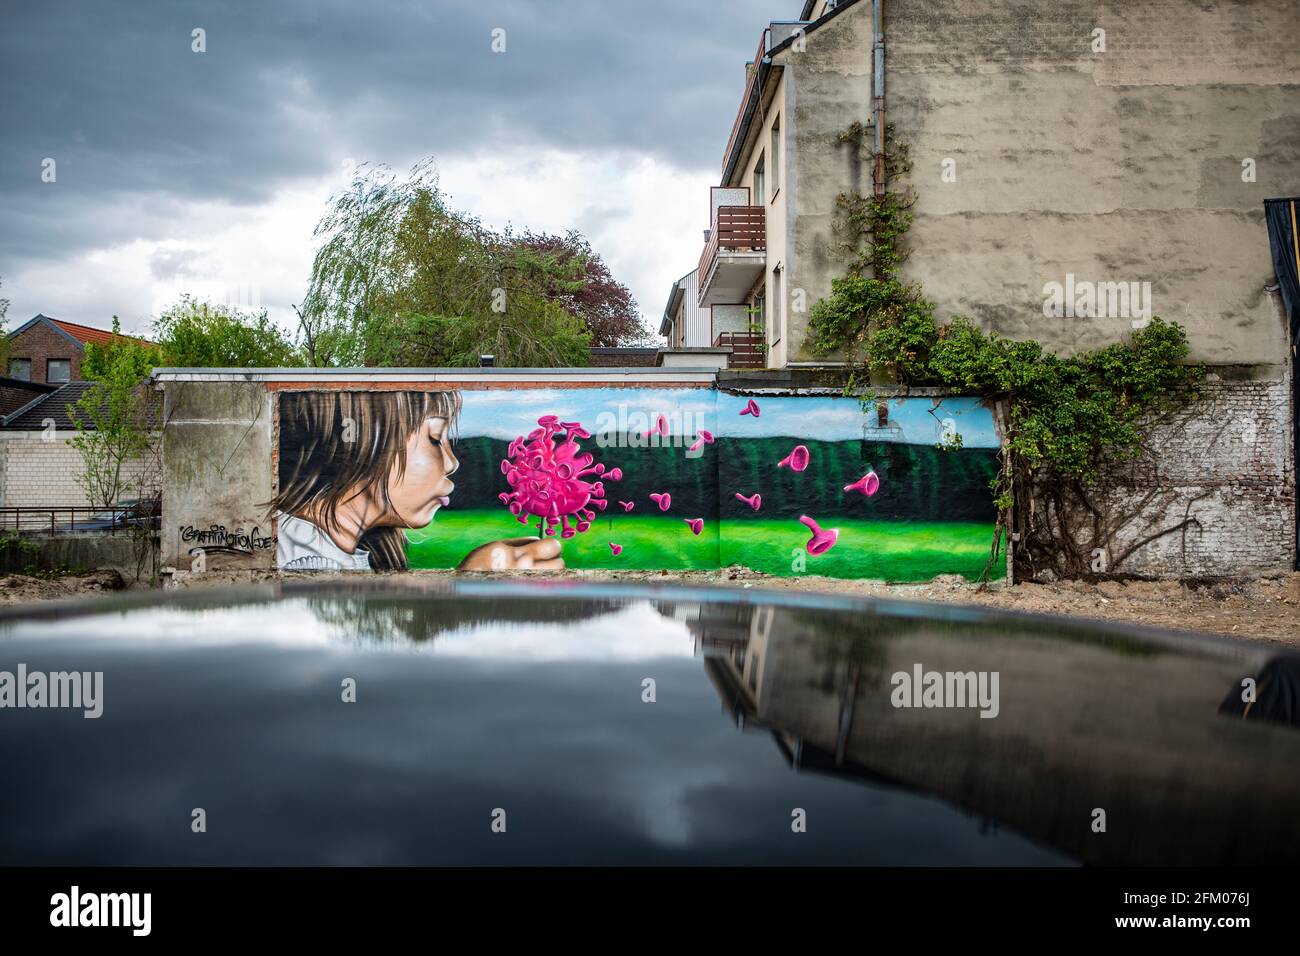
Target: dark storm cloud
(138,123)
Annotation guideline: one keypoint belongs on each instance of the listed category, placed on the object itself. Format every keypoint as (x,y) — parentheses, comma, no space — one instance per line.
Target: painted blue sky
(507,414)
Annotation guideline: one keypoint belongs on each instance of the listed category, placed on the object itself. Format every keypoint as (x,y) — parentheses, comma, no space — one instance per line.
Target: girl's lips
(444,501)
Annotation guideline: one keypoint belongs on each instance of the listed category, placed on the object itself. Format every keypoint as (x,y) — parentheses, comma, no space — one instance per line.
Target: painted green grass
(892,551)
(888,550)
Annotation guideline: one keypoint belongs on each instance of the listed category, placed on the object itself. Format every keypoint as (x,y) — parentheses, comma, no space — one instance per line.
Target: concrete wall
(1121,166)
(93,551)
(1115,166)
(217,470)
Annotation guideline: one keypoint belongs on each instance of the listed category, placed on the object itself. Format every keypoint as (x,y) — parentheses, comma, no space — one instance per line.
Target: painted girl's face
(425,485)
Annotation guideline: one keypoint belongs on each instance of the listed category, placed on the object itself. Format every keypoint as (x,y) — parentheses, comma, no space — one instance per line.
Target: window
(760,197)
(775,150)
(758,314)
(58,371)
(20,369)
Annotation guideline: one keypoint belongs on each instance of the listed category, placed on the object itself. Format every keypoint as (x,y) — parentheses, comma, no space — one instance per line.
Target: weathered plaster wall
(1121,166)
(217,451)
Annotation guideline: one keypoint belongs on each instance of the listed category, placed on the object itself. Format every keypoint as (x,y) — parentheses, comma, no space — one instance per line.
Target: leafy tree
(604,305)
(402,277)
(195,334)
(4,339)
(882,324)
(112,417)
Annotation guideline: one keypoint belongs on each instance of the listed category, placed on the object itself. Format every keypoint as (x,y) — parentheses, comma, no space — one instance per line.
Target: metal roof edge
(613,374)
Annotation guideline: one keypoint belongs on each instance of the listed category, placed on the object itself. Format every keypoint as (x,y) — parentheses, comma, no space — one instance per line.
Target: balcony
(735,255)
(746,349)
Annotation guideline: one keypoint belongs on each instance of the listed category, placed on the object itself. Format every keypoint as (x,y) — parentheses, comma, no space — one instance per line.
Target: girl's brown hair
(335,445)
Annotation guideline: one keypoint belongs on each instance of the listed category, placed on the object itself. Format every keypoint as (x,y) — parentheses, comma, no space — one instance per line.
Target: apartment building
(1077,168)
(1055,145)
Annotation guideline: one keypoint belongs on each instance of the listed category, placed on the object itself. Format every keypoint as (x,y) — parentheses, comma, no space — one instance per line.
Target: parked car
(129,513)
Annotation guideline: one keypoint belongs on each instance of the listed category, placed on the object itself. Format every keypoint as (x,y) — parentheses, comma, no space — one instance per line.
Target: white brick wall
(1224,466)
(41,474)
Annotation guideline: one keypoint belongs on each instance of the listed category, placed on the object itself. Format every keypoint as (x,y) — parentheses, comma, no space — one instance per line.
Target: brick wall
(43,474)
(41,343)
(1222,469)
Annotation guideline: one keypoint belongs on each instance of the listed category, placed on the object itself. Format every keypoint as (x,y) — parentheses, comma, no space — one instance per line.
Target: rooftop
(57,407)
(82,334)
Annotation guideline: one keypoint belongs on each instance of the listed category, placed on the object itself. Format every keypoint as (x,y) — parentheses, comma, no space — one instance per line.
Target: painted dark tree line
(917,482)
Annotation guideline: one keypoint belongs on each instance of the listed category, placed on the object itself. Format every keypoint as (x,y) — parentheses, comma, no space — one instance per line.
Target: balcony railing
(735,229)
(746,349)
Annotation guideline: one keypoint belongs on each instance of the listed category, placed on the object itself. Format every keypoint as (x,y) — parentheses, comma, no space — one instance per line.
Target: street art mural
(634,478)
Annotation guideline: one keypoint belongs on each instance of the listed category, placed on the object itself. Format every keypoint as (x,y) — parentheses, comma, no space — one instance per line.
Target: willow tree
(403,278)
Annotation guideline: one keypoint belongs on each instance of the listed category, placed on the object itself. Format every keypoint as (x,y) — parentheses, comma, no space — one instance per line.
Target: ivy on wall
(1067,416)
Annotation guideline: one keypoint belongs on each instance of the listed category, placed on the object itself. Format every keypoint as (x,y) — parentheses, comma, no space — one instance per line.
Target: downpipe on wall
(878,94)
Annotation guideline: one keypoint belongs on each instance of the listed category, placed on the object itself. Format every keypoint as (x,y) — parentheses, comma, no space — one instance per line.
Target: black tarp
(1282,216)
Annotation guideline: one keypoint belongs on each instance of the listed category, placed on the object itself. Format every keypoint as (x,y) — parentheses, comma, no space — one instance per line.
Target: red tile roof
(84,333)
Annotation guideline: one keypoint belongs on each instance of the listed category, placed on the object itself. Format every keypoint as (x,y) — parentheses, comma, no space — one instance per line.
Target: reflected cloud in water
(530,699)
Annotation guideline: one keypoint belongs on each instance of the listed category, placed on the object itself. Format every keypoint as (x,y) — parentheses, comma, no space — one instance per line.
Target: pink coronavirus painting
(660,427)
(704,438)
(755,500)
(751,408)
(696,524)
(797,460)
(553,480)
(664,500)
(868,484)
(823,539)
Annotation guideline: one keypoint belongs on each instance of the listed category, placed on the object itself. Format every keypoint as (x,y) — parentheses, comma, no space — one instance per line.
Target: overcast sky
(205,172)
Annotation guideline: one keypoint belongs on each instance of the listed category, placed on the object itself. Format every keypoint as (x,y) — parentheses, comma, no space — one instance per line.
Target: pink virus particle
(628,505)
(704,438)
(751,408)
(755,500)
(616,548)
(822,540)
(697,524)
(664,501)
(553,480)
(797,460)
(660,427)
(868,484)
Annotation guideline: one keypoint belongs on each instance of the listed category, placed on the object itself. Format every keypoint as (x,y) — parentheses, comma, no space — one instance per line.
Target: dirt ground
(1266,609)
